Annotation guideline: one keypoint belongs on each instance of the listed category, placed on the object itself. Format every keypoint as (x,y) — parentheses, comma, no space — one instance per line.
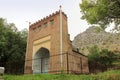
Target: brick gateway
(43,48)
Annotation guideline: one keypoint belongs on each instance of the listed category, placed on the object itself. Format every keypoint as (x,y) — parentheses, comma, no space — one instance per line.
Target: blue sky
(21,11)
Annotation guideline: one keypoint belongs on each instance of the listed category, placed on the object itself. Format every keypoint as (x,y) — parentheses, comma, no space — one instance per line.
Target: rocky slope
(92,36)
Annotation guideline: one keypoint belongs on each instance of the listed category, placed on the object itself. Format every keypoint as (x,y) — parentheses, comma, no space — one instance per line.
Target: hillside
(92,36)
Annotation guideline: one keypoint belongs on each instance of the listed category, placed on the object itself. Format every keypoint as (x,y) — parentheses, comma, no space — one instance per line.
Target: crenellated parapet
(45,18)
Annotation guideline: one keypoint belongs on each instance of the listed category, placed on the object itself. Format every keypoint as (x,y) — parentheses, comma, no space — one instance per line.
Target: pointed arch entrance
(41,61)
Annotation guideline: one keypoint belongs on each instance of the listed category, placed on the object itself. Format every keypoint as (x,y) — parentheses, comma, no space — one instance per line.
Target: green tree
(106,58)
(93,58)
(2,38)
(93,53)
(100,59)
(101,12)
(12,47)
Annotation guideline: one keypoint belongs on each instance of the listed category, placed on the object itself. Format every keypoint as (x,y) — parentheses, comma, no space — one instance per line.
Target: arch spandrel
(43,42)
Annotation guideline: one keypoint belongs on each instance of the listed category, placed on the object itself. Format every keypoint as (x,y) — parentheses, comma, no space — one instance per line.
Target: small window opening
(34,29)
(39,27)
(52,22)
(45,24)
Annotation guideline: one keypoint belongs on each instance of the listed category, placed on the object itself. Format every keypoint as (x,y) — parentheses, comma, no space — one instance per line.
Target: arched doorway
(41,61)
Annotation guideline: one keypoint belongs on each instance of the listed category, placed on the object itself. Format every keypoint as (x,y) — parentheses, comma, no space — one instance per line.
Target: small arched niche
(41,61)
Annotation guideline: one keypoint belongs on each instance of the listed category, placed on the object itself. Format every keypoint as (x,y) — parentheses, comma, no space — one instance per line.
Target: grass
(109,75)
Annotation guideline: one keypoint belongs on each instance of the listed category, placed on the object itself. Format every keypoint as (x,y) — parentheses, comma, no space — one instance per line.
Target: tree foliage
(93,53)
(102,59)
(12,47)
(101,12)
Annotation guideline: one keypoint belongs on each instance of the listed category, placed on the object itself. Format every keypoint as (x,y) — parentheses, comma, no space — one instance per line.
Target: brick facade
(46,33)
